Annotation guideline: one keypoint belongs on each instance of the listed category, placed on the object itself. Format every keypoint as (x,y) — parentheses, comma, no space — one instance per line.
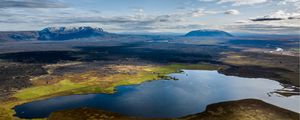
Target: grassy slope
(92,84)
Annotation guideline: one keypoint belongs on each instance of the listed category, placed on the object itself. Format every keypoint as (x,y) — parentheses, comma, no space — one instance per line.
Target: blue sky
(179,16)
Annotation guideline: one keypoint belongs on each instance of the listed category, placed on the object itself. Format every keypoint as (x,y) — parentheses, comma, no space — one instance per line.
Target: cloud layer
(30,4)
(217,14)
(279,15)
(237,2)
(232,12)
(242,2)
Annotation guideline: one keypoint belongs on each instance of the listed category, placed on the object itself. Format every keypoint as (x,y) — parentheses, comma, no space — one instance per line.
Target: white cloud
(295,3)
(284,2)
(285,15)
(277,22)
(242,2)
(198,13)
(139,19)
(237,2)
(206,0)
(232,12)
(278,15)
(38,18)
(139,10)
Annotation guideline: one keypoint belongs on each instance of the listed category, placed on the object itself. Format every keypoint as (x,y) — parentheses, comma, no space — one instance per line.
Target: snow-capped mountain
(66,33)
(208,33)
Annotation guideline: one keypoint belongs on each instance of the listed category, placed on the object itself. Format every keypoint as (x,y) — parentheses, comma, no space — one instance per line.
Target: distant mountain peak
(66,33)
(71,29)
(208,33)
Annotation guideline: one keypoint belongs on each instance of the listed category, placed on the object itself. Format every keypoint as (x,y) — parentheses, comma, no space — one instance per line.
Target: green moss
(39,91)
(175,67)
(5,114)
(90,89)
(296,49)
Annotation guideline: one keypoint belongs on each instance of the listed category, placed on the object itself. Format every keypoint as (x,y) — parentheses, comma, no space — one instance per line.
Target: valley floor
(72,69)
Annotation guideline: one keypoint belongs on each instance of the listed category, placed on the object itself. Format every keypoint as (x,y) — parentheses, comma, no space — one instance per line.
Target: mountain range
(69,33)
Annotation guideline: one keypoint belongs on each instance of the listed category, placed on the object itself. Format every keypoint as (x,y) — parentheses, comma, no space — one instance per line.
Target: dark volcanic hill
(66,33)
(208,33)
(18,36)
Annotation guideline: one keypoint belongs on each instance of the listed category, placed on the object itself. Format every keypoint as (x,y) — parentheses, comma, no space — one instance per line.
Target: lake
(190,94)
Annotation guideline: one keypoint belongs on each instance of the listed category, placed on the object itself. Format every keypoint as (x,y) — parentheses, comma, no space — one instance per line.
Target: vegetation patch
(296,49)
(39,91)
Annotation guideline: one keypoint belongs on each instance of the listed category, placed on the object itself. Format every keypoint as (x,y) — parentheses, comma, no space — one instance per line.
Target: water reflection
(194,90)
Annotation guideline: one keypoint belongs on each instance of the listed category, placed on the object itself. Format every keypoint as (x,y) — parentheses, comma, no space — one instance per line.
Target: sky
(164,16)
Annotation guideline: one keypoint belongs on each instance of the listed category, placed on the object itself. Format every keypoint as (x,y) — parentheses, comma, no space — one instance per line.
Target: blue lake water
(190,94)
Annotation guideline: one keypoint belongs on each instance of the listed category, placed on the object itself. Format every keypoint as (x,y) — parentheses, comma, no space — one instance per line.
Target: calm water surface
(194,90)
